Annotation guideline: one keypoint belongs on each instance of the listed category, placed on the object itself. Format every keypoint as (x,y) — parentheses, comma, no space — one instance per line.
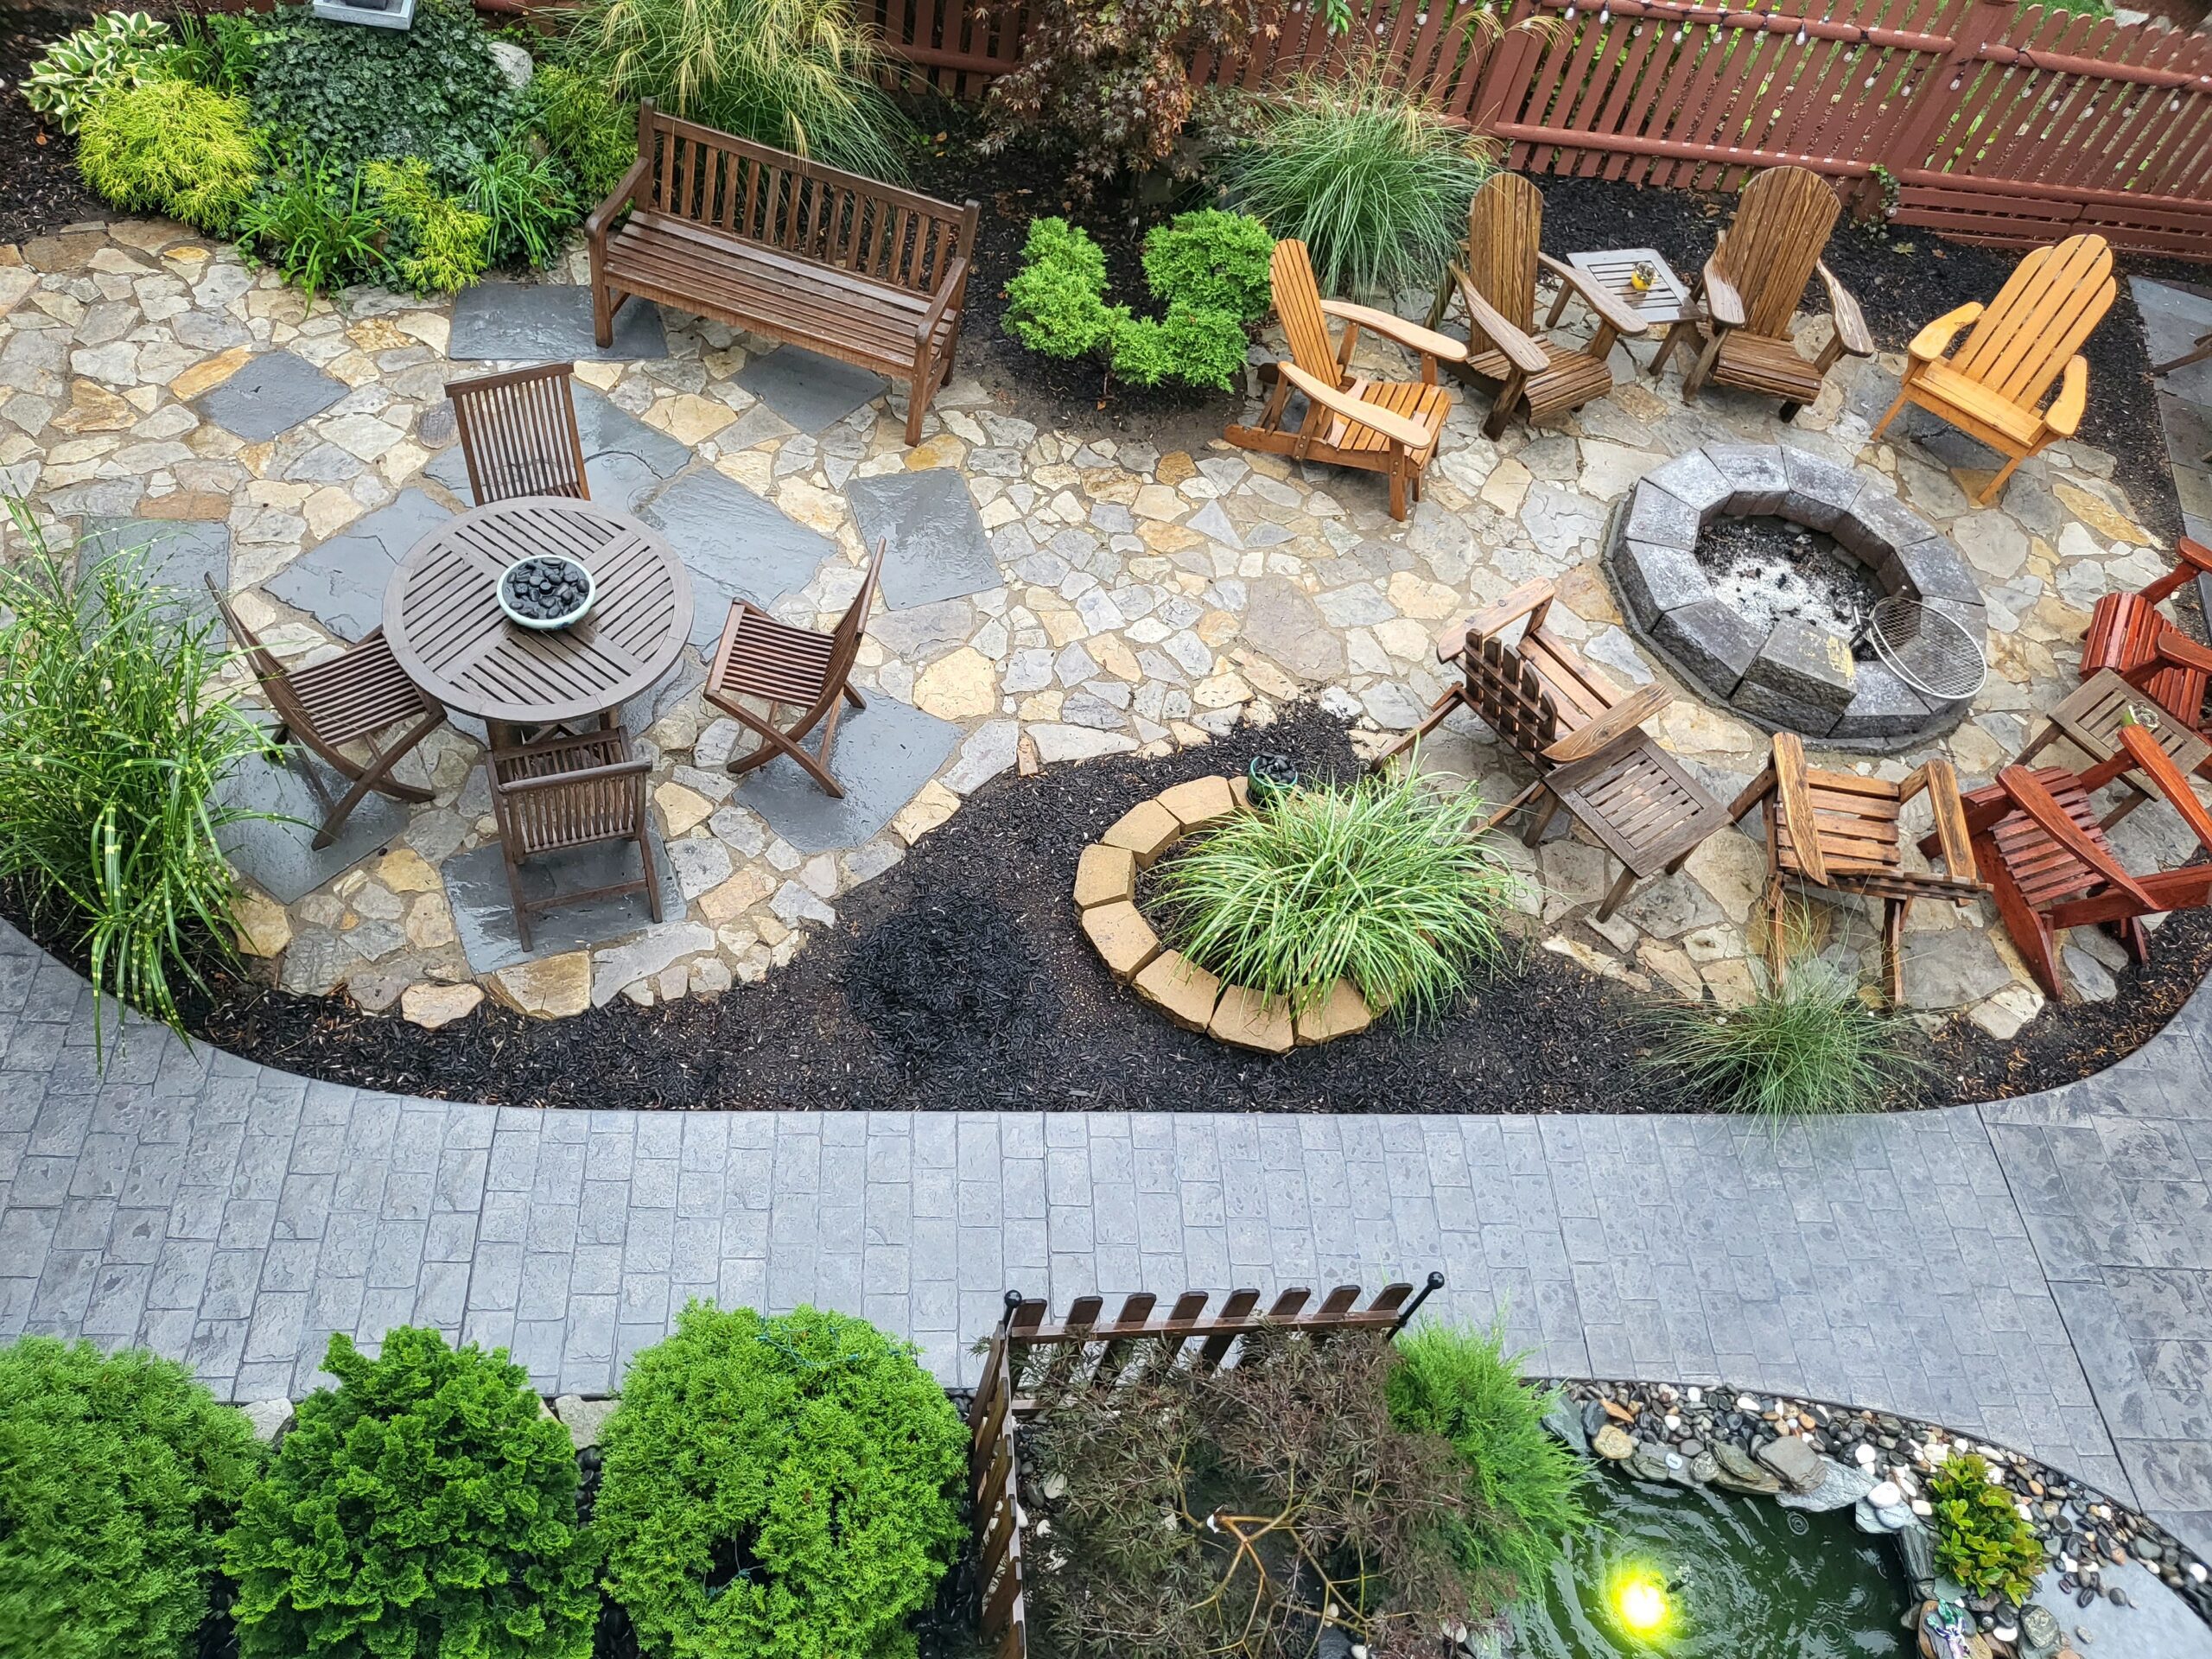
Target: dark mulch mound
(959,980)
(39,190)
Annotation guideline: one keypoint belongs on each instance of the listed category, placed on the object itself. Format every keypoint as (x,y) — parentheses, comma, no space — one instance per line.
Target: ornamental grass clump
(119,1475)
(1383,882)
(1806,1043)
(1982,1541)
(778,1489)
(424,1508)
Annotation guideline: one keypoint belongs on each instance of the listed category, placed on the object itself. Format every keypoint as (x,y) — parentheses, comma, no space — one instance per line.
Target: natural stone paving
(1128,597)
(2034,1272)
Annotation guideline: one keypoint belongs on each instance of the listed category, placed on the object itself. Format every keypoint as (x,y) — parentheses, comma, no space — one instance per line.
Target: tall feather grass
(1382,883)
(113,743)
(1806,1043)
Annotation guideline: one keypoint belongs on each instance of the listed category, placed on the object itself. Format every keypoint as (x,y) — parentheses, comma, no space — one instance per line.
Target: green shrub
(1056,303)
(118,1476)
(1982,1541)
(1192,344)
(112,750)
(219,50)
(435,244)
(592,131)
(799,74)
(525,201)
(1214,261)
(1805,1044)
(778,1489)
(317,223)
(1524,1488)
(1376,185)
(424,1508)
(1382,882)
(115,51)
(171,147)
(355,95)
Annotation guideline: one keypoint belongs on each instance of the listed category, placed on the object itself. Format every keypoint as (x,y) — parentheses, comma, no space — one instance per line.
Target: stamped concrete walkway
(2038,1271)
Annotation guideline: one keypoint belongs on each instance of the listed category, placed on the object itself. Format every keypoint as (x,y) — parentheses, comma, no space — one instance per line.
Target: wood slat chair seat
(1744,302)
(518,433)
(1583,736)
(559,793)
(765,660)
(1996,386)
(1838,830)
(851,267)
(1390,427)
(346,699)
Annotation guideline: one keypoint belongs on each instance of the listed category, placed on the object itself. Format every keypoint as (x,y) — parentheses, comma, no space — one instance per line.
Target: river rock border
(1105,894)
(1795,678)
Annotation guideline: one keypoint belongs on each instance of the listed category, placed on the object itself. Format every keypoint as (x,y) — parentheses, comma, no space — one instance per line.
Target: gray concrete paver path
(2038,1271)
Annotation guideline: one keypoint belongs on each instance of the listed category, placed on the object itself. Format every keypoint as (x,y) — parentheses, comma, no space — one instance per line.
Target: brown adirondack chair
(1494,279)
(2091,717)
(1750,289)
(1583,736)
(575,789)
(1993,387)
(518,433)
(772,662)
(1839,830)
(2037,838)
(348,698)
(1379,426)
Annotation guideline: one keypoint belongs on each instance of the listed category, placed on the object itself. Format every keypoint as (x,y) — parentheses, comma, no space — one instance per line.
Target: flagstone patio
(1047,598)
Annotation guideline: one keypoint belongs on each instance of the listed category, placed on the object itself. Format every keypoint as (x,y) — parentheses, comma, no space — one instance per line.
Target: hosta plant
(116,49)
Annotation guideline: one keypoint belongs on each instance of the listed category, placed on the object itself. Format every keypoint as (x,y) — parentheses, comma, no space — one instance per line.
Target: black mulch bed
(959,980)
(39,190)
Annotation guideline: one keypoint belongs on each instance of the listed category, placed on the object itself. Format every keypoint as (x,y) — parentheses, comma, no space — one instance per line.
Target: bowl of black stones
(545,591)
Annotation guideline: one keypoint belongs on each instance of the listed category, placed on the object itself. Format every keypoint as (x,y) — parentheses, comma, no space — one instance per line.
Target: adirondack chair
(1839,830)
(2126,629)
(1496,280)
(1583,736)
(1750,289)
(2036,839)
(1379,426)
(2090,717)
(1993,387)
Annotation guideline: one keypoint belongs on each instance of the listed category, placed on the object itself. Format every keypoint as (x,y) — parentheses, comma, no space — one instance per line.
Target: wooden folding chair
(518,433)
(569,791)
(1839,830)
(774,662)
(346,699)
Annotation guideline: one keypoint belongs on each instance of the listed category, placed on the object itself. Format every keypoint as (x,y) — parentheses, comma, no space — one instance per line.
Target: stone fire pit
(1793,675)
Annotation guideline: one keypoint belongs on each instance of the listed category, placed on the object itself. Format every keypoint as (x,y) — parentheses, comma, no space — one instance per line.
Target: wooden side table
(2090,716)
(1665,302)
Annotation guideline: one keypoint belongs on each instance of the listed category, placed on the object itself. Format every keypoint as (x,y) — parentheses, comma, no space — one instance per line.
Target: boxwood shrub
(777,1489)
(424,1508)
(118,1476)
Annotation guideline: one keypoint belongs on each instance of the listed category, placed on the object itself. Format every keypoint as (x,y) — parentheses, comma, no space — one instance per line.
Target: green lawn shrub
(1982,1541)
(778,1489)
(423,1509)
(117,50)
(1807,1042)
(119,1475)
(593,132)
(171,147)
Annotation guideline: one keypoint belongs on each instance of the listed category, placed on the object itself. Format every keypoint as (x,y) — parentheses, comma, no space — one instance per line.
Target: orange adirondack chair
(1993,387)
(1379,426)
(2126,630)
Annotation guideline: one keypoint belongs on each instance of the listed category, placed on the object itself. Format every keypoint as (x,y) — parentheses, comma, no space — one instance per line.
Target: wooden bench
(771,242)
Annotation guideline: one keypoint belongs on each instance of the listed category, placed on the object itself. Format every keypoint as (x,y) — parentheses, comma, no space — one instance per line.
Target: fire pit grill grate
(1930,651)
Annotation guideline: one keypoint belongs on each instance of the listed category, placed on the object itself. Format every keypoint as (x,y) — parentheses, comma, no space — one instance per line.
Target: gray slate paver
(276,853)
(883,754)
(807,389)
(736,544)
(177,553)
(936,546)
(270,395)
(547,322)
(342,582)
(483,910)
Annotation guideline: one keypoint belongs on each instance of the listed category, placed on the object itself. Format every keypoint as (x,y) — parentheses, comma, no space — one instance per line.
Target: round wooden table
(442,618)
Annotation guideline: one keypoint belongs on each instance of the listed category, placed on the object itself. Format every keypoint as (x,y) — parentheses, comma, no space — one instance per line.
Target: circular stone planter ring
(1106,892)
(1793,677)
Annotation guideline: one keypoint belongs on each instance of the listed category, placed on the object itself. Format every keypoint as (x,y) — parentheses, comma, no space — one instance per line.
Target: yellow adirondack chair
(1751,289)
(1495,280)
(1993,387)
(1380,426)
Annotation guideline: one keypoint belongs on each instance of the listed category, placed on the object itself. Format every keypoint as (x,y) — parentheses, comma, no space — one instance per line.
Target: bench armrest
(1411,335)
(602,217)
(1523,353)
(2064,415)
(949,293)
(1374,416)
(1528,599)
(1935,339)
(1607,307)
(1622,721)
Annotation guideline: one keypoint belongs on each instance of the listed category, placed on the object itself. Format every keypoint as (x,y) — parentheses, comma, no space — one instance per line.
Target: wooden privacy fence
(1994,122)
(1094,1352)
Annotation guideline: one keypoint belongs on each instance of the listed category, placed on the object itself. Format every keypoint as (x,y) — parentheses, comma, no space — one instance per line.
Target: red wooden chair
(572,790)
(772,662)
(2126,630)
(2037,843)
(518,433)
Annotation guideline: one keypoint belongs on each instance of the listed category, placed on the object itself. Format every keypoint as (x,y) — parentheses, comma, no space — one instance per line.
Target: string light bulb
(1802,36)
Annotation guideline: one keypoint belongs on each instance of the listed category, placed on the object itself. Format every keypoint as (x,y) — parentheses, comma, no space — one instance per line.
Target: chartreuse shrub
(593,132)
(434,242)
(777,1489)
(424,1508)
(1209,269)
(1982,1541)
(118,1477)
(1524,1487)
(115,51)
(171,147)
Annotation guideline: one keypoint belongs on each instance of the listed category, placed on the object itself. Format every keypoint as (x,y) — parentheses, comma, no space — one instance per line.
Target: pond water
(1714,1577)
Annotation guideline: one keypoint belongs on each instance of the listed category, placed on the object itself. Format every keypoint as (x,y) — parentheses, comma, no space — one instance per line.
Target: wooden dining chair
(772,662)
(1751,289)
(346,699)
(577,790)
(518,433)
